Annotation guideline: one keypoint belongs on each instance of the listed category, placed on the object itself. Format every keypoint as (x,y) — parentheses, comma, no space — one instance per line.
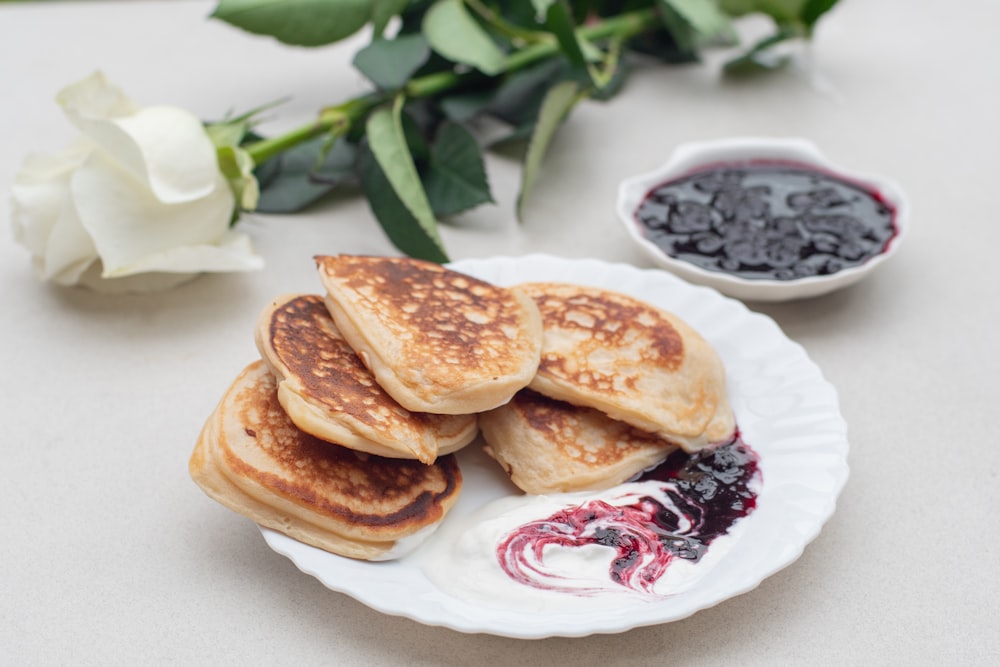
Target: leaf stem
(337,120)
(432,84)
(620,27)
(506,28)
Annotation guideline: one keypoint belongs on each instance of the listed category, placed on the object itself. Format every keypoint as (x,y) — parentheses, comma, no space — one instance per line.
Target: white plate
(785,410)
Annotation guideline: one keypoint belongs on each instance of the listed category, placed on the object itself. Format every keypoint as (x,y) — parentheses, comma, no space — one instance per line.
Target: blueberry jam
(692,500)
(767,220)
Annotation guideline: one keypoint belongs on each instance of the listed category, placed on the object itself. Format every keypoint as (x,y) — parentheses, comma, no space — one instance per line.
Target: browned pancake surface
(550,446)
(353,493)
(305,339)
(328,392)
(458,319)
(604,323)
(633,361)
(436,340)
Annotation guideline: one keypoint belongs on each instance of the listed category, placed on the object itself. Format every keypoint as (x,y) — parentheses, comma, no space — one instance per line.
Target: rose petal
(95,97)
(179,157)
(40,189)
(138,204)
(128,224)
(166,147)
(70,251)
(43,217)
(233,253)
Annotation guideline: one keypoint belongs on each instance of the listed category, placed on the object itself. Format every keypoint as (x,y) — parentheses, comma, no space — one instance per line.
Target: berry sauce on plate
(767,220)
(688,501)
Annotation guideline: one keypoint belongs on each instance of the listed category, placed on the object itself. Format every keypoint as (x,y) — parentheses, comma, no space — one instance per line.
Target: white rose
(137,203)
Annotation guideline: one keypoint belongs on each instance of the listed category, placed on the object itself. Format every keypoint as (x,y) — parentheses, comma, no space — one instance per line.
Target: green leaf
(794,19)
(399,225)
(610,81)
(456,179)
(456,35)
(813,10)
(757,59)
(784,12)
(382,13)
(293,180)
(420,151)
(519,98)
(542,7)
(682,34)
(558,103)
(559,22)
(237,166)
(298,22)
(465,106)
(660,44)
(387,141)
(389,63)
(512,143)
(227,134)
(233,130)
(737,7)
(703,16)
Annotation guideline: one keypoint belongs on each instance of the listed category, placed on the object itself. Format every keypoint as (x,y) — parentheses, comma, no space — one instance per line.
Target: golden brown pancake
(328,392)
(436,340)
(251,458)
(549,446)
(633,361)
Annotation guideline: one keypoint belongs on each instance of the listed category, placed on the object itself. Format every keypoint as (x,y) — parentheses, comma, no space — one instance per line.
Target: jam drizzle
(698,497)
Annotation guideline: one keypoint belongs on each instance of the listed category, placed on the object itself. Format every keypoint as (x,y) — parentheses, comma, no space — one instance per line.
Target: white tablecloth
(111,555)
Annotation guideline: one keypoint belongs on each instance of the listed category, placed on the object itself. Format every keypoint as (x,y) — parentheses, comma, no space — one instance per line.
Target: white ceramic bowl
(692,156)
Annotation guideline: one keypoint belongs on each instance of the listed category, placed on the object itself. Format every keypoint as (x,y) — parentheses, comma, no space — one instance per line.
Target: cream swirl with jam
(641,540)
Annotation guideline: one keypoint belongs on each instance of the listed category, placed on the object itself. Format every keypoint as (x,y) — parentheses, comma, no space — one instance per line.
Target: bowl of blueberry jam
(763,219)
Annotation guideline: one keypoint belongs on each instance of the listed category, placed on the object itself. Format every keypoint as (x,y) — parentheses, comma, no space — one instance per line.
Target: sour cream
(633,544)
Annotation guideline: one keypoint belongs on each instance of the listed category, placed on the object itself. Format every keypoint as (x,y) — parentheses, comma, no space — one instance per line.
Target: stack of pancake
(620,385)
(342,435)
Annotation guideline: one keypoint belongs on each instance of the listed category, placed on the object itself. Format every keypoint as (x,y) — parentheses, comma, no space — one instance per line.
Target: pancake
(549,446)
(328,392)
(252,459)
(436,340)
(632,361)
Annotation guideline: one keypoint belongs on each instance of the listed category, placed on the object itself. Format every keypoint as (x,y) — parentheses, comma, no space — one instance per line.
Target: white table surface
(111,555)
